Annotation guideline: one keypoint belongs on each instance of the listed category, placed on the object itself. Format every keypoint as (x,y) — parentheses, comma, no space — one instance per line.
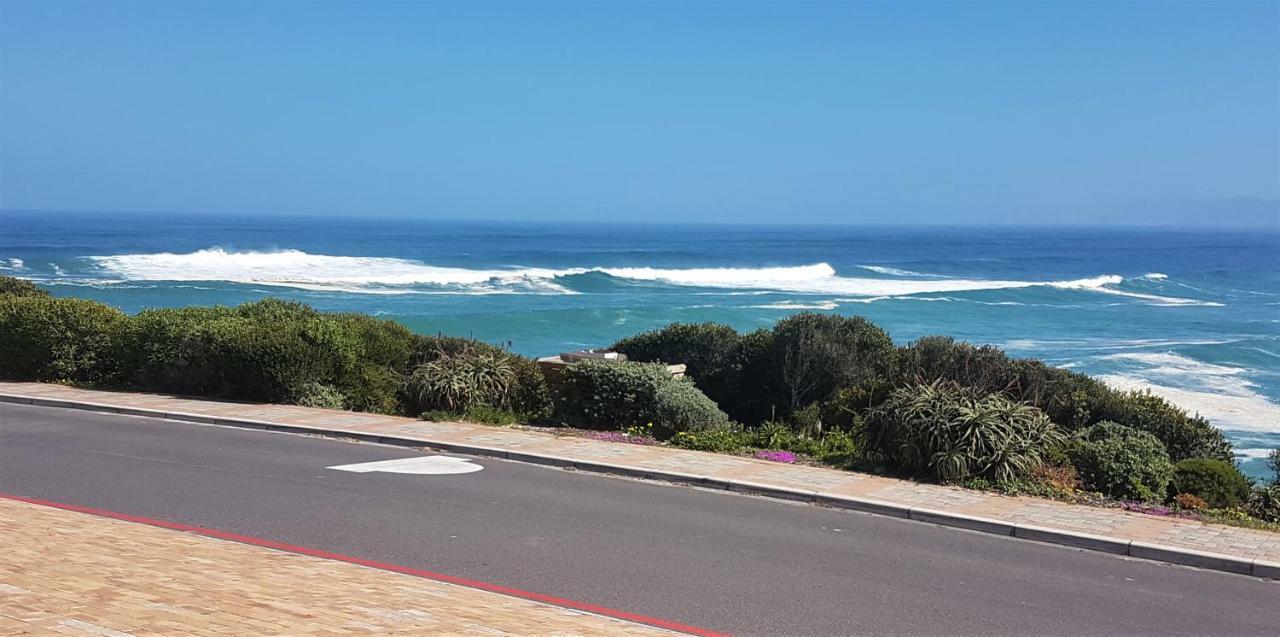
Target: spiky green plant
(464,378)
(949,433)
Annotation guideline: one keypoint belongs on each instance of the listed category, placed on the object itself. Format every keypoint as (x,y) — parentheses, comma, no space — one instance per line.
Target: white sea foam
(57,269)
(385,275)
(297,269)
(793,305)
(1242,410)
(13,265)
(884,269)
(1254,454)
(1154,276)
(1221,393)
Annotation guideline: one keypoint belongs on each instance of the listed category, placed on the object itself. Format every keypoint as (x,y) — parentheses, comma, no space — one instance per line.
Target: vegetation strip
(1120,546)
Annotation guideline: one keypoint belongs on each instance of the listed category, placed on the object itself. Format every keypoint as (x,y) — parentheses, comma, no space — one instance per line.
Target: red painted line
(396,568)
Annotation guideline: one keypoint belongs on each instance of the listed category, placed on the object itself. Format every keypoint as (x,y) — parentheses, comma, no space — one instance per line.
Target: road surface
(722,561)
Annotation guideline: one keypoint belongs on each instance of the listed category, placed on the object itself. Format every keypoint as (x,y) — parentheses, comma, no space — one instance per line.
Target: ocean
(1193,315)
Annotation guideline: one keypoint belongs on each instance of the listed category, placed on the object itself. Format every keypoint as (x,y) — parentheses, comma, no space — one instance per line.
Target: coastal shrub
(814,355)
(947,432)
(59,339)
(598,394)
(1219,483)
(13,286)
(268,350)
(1264,503)
(845,410)
(1273,462)
(1185,436)
(530,397)
(320,395)
(456,380)
(1122,462)
(681,406)
(727,366)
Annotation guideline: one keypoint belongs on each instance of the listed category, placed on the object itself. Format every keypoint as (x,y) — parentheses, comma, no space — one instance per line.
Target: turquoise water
(1194,316)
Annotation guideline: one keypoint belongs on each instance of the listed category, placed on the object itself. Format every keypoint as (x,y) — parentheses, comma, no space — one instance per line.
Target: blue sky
(943,112)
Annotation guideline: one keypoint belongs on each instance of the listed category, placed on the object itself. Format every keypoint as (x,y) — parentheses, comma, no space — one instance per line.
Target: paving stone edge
(1084,541)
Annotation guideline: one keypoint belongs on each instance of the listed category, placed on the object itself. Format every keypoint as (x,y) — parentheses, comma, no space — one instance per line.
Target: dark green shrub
(1122,461)
(530,396)
(270,351)
(727,366)
(1185,436)
(457,380)
(1273,462)
(13,286)
(320,395)
(1264,503)
(946,432)
(48,339)
(1219,483)
(814,355)
(609,395)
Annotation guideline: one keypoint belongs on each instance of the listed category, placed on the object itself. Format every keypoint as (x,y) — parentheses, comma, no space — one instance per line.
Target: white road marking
(419,465)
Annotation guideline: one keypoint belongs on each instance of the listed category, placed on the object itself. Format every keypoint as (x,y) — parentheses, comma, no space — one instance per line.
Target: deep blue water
(1193,315)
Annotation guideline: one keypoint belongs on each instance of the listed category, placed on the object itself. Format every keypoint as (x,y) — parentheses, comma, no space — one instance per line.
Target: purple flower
(777,456)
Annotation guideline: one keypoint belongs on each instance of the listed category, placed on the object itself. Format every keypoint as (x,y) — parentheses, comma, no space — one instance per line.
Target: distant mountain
(1234,212)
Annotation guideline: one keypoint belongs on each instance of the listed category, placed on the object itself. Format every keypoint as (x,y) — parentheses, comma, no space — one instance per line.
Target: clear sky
(824,112)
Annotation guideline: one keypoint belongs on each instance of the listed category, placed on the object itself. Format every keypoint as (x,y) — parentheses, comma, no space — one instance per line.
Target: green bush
(530,396)
(949,433)
(457,380)
(1216,482)
(814,355)
(1185,436)
(269,350)
(1122,462)
(1273,462)
(680,406)
(724,364)
(609,395)
(723,439)
(1264,503)
(60,339)
(13,286)
(320,395)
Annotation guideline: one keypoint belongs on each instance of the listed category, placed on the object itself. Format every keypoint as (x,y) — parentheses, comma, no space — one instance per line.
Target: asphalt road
(722,561)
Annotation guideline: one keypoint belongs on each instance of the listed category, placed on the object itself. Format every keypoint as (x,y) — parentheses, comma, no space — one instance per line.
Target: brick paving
(68,573)
(1113,523)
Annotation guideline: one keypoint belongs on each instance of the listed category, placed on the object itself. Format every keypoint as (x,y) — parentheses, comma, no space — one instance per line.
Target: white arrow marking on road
(420,465)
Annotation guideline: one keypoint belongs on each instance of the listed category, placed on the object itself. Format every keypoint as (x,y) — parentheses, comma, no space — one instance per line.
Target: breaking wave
(386,275)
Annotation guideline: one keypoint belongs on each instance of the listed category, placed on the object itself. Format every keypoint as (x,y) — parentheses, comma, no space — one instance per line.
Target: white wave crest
(386,275)
(13,265)
(297,269)
(1255,453)
(1154,276)
(793,305)
(883,269)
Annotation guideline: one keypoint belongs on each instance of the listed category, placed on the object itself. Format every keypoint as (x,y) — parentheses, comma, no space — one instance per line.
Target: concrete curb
(1084,541)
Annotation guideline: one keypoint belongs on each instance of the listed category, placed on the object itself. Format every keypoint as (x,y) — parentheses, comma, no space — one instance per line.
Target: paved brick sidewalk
(1117,531)
(72,573)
